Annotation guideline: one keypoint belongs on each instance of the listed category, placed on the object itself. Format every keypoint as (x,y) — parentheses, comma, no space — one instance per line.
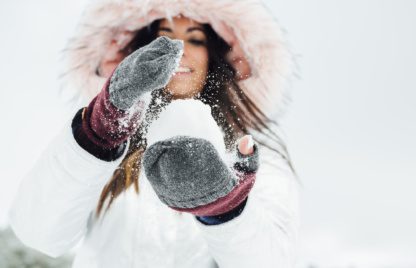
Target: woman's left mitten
(188,175)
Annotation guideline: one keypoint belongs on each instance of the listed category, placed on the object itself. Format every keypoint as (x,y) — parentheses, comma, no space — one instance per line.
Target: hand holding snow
(146,69)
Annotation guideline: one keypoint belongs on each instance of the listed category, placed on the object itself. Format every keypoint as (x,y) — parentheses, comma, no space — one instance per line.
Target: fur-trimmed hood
(246,25)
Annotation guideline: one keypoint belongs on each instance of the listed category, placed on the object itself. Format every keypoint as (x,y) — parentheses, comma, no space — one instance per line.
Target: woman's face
(190,78)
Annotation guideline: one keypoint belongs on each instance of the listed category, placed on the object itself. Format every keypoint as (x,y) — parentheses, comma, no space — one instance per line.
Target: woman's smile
(183,70)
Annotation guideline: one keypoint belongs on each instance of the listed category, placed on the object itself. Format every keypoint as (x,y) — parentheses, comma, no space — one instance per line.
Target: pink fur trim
(242,23)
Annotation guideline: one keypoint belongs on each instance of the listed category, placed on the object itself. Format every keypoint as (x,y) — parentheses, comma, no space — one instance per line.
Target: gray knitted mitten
(187,172)
(148,68)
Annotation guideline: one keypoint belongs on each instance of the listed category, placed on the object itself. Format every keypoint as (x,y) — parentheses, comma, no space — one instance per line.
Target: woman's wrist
(107,126)
(224,217)
(83,140)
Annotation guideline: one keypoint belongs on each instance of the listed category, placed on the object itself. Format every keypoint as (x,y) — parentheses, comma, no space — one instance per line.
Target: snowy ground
(351,127)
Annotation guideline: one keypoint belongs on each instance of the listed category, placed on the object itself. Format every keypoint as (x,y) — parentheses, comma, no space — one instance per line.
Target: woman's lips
(182,73)
(183,70)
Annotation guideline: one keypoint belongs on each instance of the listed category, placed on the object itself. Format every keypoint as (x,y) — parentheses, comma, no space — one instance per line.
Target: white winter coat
(55,200)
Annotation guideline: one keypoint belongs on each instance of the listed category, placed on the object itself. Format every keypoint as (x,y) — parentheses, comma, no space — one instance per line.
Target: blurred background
(351,127)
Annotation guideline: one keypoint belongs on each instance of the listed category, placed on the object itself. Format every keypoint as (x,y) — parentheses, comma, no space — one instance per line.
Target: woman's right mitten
(115,113)
(146,69)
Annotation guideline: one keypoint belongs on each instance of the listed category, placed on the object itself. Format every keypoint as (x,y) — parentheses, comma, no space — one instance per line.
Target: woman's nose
(185,49)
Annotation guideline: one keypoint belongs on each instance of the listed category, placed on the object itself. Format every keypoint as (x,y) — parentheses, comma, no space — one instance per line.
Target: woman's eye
(197,42)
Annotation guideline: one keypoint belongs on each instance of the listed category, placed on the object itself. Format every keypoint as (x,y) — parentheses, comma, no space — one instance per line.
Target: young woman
(174,203)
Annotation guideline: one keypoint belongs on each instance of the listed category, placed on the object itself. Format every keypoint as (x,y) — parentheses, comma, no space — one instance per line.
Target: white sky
(351,125)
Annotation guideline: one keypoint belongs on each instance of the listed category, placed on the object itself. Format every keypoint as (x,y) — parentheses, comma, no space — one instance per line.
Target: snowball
(187,118)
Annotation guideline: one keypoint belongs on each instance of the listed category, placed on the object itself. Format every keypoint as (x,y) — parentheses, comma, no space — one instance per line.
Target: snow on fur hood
(246,25)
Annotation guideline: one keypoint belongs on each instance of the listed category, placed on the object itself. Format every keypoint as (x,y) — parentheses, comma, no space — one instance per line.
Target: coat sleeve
(52,206)
(265,233)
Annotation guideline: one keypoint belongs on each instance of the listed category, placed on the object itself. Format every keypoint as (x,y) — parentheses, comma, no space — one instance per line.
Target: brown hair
(231,108)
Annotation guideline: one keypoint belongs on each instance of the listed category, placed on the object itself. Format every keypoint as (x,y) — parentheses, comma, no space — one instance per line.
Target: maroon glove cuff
(85,143)
(245,169)
(107,126)
(228,202)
